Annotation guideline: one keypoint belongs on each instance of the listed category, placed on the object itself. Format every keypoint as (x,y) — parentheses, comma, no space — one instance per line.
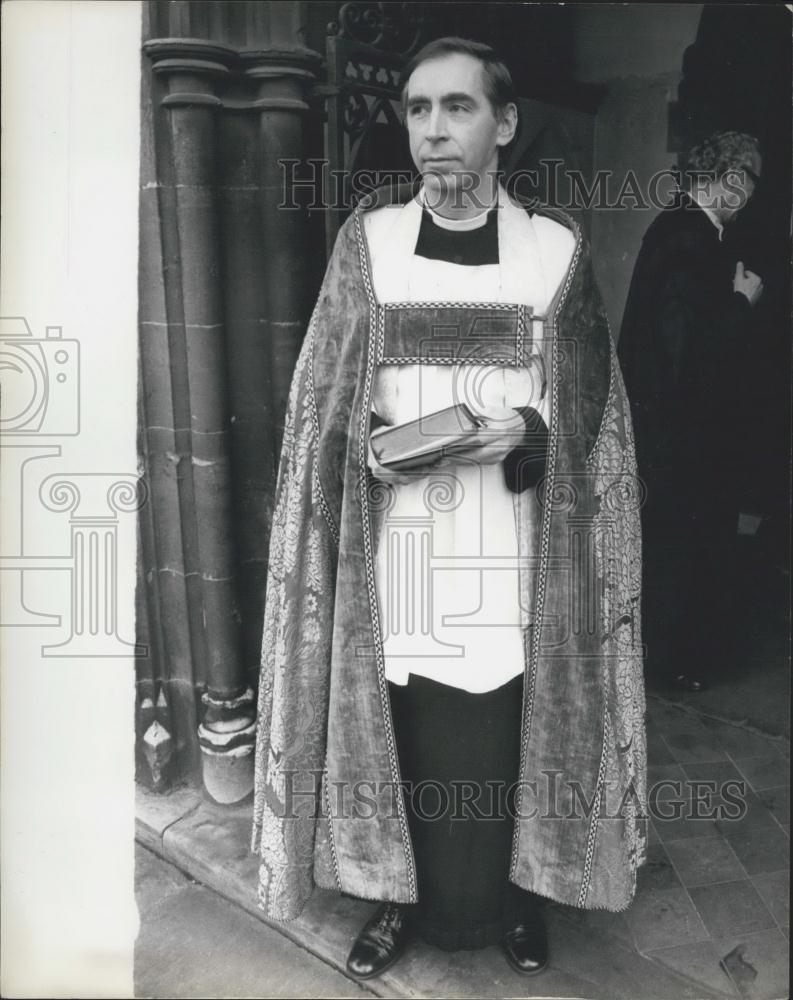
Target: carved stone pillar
(282,74)
(193,292)
(225,299)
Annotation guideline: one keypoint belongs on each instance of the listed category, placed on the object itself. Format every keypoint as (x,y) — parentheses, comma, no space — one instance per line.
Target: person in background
(685,338)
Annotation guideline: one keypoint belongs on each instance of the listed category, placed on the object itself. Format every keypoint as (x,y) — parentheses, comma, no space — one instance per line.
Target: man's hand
(747,283)
(504,430)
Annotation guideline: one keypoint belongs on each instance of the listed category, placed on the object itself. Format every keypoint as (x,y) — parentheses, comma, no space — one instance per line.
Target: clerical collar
(470,247)
(455,225)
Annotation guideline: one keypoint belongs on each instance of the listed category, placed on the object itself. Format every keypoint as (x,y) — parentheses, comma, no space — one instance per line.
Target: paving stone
(758,964)
(705,795)
(657,872)
(774,888)
(683,827)
(591,956)
(212,843)
(658,753)
(155,813)
(731,908)
(777,800)
(615,925)
(755,817)
(196,944)
(762,850)
(738,802)
(330,922)
(582,962)
(686,747)
(328,926)
(739,742)
(425,971)
(718,771)
(661,918)
(764,772)
(700,963)
(155,879)
(613,969)
(664,715)
(690,741)
(665,781)
(697,797)
(702,861)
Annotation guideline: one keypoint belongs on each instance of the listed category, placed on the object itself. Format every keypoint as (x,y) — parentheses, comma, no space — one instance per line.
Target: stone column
(192,69)
(283,73)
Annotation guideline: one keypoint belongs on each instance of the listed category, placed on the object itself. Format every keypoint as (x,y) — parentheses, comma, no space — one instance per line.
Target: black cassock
(684,350)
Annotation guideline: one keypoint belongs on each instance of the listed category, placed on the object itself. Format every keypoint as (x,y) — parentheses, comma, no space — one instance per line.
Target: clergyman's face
(451,124)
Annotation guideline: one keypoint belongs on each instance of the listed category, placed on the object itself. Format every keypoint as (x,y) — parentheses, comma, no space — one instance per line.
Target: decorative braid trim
(322,503)
(331,838)
(495,306)
(316,483)
(504,362)
(595,817)
(376,319)
(545,539)
(521,330)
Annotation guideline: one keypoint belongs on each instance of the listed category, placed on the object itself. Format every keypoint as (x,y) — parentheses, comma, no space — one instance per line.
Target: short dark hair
(716,156)
(498,86)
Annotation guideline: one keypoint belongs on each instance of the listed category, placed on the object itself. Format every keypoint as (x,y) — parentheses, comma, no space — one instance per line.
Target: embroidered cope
(327,806)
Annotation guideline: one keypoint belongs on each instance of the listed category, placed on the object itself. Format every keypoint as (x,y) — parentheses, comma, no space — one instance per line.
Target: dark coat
(684,352)
(684,334)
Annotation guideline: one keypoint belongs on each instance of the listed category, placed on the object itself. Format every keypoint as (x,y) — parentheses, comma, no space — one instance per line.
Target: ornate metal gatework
(367,48)
(365,140)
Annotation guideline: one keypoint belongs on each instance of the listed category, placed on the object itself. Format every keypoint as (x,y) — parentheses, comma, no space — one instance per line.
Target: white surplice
(468,629)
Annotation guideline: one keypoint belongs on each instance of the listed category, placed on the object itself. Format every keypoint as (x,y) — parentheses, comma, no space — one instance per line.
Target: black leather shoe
(526,945)
(380,943)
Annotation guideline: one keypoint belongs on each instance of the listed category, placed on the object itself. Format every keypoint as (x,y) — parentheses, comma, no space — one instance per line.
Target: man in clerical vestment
(451,709)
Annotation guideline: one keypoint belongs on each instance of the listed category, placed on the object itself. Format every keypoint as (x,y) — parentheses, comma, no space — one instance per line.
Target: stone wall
(636,53)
